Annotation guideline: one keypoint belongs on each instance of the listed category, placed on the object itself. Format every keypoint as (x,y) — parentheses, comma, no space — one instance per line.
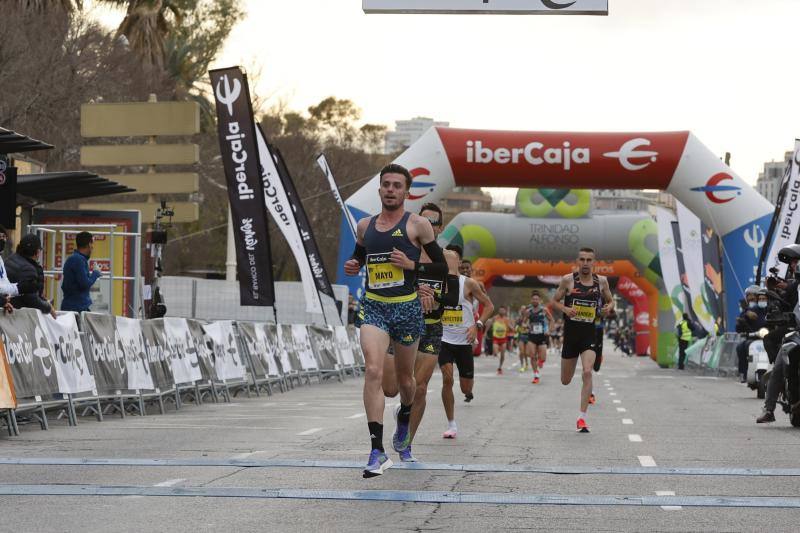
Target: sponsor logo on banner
(643,318)
(552,4)
(713,187)
(755,238)
(629,152)
(534,153)
(420,189)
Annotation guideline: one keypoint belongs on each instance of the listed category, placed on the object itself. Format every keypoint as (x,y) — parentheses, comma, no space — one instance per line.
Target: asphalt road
(646,419)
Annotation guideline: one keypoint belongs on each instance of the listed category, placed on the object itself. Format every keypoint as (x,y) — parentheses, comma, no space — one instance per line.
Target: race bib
(586,310)
(436,284)
(499,329)
(453,316)
(538,329)
(381,274)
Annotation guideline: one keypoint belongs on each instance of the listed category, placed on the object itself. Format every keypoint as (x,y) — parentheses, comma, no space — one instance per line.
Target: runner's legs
(423,370)
(374,343)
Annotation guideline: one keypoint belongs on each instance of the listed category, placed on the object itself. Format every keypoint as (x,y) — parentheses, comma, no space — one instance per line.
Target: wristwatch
(479,325)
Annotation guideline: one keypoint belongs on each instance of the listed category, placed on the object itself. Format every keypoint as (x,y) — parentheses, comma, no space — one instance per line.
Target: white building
(769,181)
(406,133)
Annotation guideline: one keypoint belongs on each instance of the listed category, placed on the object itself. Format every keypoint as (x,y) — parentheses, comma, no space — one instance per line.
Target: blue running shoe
(378,463)
(402,435)
(406,457)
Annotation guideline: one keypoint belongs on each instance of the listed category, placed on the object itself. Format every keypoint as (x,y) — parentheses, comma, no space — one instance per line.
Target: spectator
(684,338)
(77,278)
(24,270)
(751,319)
(7,289)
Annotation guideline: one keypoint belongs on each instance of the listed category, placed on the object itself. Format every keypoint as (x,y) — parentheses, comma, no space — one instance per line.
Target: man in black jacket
(24,270)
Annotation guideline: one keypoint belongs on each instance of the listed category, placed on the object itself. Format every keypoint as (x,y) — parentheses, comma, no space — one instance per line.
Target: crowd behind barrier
(93,364)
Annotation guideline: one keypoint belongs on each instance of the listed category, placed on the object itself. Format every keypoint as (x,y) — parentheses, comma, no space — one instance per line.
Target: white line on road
(245,455)
(668,507)
(661,377)
(706,377)
(647,461)
(169,483)
(357,415)
(617,401)
(634,438)
(612,393)
(627,421)
(610,389)
(621,410)
(308,432)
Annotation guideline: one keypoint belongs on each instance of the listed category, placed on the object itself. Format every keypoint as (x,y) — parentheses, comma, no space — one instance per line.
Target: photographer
(751,319)
(787,291)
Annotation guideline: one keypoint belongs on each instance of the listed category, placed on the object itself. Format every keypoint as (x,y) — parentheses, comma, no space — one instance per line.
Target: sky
(724,69)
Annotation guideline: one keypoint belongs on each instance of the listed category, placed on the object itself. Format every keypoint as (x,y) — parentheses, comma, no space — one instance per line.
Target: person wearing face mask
(77,277)
(8,290)
(751,319)
(24,270)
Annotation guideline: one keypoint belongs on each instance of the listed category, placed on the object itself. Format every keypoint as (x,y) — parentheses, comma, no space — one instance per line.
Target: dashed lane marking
(357,415)
(309,432)
(627,421)
(634,438)
(668,507)
(621,410)
(647,461)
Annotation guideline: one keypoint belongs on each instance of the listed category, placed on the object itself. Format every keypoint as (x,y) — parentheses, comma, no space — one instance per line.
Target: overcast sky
(725,69)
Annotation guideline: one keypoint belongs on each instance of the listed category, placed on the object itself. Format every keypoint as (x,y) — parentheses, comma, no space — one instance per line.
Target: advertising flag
(692,251)
(787,214)
(668,254)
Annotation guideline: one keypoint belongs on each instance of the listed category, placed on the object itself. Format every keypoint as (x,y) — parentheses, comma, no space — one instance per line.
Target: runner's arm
(359,256)
(482,297)
(608,298)
(561,292)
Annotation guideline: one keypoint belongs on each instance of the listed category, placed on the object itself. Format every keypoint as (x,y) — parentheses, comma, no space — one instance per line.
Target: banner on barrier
(29,354)
(182,352)
(302,346)
(132,344)
(158,353)
(322,343)
(289,358)
(108,359)
(8,399)
(228,361)
(281,356)
(204,347)
(260,348)
(343,345)
(72,368)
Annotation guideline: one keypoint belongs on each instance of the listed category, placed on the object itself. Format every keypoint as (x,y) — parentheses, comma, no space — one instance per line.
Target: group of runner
(420,308)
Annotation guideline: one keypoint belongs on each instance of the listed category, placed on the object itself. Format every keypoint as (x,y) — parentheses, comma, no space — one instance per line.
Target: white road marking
(634,438)
(308,432)
(627,421)
(668,507)
(610,389)
(357,415)
(612,393)
(169,483)
(661,377)
(621,410)
(301,404)
(245,455)
(617,401)
(647,461)
(706,377)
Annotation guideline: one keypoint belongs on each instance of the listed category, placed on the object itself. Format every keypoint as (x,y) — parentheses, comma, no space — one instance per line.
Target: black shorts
(431,341)
(538,340)
(577,340)
(461,355)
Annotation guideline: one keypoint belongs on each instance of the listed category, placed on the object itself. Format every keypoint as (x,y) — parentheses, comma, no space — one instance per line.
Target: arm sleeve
(438,265)
(359,254)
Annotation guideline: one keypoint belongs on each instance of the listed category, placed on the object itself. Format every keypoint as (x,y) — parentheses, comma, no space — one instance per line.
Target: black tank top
(385,280)
(586,300)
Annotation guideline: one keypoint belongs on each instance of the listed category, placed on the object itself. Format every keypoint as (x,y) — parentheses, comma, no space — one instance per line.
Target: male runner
(429,343)
(459,332)
(522,331)
(540,322)
(389,245)
(465,269)
(500,327)
(584,296)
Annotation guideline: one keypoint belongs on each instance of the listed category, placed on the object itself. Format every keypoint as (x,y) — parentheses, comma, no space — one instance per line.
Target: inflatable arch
(677,162)
(662,345)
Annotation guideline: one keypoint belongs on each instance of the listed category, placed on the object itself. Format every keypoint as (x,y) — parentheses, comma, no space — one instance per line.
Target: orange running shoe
(592,399)
(582,427)
(535,380)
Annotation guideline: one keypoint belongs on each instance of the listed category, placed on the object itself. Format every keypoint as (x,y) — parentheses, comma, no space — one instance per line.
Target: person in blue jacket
(77,277)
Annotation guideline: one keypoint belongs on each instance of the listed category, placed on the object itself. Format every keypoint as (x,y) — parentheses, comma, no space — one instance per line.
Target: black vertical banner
(8,195)
(237,143)
(312,250)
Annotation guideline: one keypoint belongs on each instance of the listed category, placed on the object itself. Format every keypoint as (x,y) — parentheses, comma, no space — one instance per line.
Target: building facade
(406,133)
(769,181)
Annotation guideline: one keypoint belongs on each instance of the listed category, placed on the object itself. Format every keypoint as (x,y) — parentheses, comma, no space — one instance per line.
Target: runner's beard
(391,207)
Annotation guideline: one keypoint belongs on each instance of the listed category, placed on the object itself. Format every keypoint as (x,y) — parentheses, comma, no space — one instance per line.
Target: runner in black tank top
(389,244)
(584,296)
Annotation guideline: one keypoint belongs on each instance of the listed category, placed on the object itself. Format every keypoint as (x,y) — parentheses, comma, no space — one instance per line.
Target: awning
(35,189)
(13,142)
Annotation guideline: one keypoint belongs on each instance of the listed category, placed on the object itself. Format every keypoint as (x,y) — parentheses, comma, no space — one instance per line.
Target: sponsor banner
(641,325)
(668,256)
(686,295)
(484,7)
(326,169)
(228,359)
(302,347)
(712,272)
(108,359)
(322,343)
(741,249)
(343,346)
(309,243)
(204,348)
(237,140)
(131,341)
(260,348)
(183,357)
(158,353)
(29,354)
(72,368)
(690,230)
(8,397)
(787,216)
(290,361)
(278,358)
(284,217)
